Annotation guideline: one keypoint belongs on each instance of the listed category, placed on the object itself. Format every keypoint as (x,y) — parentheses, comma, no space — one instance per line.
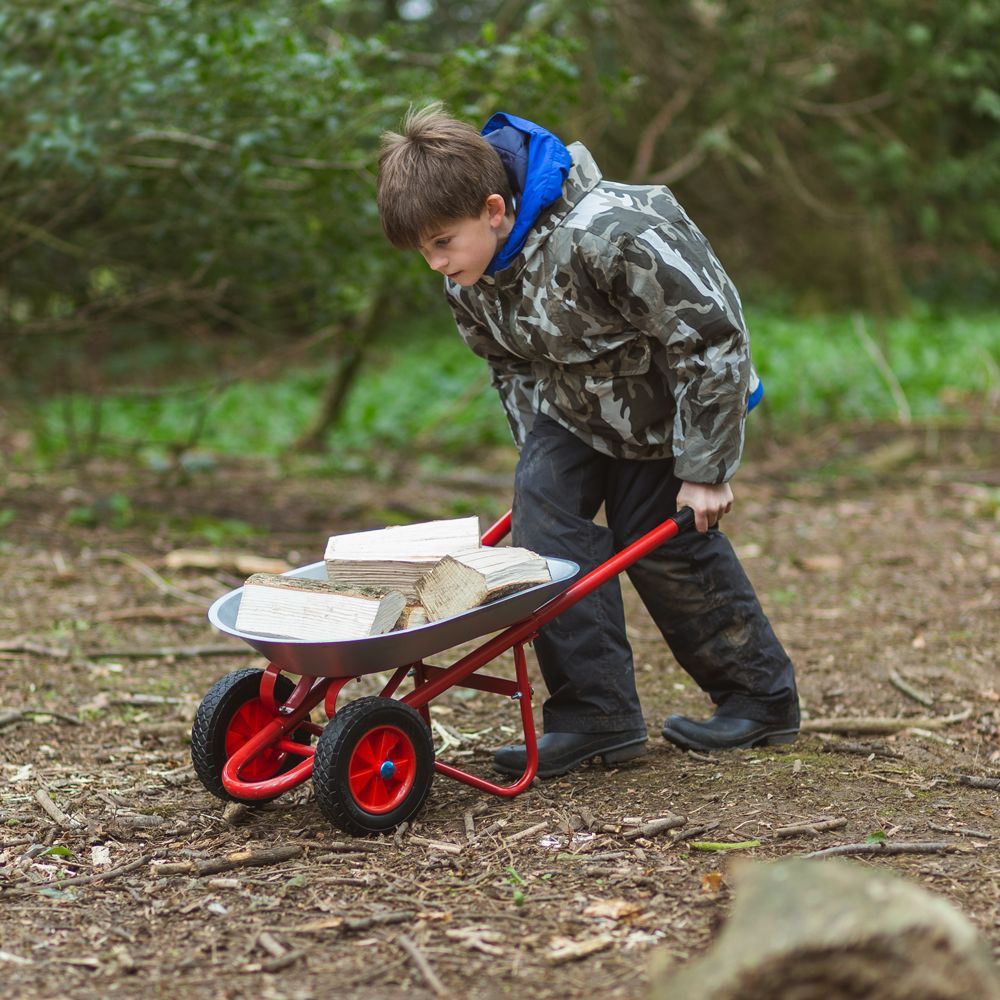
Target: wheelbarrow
(373,762)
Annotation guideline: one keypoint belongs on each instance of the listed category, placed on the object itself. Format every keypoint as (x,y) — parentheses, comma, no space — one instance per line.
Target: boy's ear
(497,209)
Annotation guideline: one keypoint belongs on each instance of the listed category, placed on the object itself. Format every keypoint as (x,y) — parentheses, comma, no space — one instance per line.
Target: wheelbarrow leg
(523,697)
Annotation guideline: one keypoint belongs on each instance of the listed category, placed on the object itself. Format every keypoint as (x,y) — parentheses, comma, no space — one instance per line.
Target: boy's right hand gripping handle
(684,519)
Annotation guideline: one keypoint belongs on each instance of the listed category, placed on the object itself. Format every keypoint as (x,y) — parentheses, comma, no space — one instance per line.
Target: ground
(872,553)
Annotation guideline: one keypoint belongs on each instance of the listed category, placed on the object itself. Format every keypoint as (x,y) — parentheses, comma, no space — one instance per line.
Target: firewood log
(297,608)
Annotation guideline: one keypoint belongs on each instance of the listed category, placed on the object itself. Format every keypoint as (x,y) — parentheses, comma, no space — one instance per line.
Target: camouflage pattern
(618,322)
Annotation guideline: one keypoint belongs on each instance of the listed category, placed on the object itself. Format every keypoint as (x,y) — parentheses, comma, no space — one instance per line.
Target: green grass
(422,385)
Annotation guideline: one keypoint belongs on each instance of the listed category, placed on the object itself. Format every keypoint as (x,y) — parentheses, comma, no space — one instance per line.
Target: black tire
(339,791)
(216,712)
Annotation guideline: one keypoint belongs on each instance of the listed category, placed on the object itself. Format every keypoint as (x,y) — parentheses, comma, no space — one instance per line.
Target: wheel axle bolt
(387,770)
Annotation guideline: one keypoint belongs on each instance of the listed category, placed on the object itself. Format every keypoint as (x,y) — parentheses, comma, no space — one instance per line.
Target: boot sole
(778,738)
(609,757)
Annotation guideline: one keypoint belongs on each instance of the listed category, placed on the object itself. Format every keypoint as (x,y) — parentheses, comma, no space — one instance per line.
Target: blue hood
(537,164)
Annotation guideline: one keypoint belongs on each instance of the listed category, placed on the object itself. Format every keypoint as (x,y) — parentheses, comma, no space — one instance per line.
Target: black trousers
(693,586)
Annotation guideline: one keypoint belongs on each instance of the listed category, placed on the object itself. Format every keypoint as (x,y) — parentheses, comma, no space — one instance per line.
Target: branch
(655,129)
(847,108)
(884,848)
(873,724)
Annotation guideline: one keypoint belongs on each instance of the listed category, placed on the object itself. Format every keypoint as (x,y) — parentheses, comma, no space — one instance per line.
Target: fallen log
(835,930)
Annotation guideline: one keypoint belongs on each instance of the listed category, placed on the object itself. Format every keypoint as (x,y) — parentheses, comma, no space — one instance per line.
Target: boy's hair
(440,169)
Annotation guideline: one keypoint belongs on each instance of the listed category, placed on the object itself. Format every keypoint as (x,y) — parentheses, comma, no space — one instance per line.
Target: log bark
(832,930)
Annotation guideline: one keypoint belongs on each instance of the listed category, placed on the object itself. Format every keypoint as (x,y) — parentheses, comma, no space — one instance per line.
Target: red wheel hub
(381,769)
(244,725)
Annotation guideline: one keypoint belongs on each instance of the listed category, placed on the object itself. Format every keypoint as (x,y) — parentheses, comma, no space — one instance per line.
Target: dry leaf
(711,882)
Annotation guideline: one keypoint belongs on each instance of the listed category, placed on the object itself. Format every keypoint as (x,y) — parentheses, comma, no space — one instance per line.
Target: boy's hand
(709,503)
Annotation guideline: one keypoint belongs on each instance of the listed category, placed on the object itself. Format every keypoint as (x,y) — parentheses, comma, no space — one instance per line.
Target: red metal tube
(524,630)
(272,734)
(530,742)
(498,531)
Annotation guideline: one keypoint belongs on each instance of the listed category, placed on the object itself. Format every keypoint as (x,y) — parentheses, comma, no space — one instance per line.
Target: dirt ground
(873,554)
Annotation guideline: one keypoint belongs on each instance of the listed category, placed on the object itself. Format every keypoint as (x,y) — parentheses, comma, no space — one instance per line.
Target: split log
(298,608)
(397,557)
(835,930)
(469,579)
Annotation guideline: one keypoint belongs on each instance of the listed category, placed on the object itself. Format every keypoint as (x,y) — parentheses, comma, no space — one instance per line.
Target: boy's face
(462,249)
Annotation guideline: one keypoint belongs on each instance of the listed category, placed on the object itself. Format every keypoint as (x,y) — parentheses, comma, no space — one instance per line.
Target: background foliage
(186,188)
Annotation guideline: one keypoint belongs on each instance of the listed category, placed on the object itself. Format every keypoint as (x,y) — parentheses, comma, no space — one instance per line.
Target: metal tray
(350,657)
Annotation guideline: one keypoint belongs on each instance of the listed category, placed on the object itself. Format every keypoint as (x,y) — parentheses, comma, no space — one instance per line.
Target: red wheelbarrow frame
(429,682)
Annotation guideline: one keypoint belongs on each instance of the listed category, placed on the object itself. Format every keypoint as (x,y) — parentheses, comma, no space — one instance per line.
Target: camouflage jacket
(617,321)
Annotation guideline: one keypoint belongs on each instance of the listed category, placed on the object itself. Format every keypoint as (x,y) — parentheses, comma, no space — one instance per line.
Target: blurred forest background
(192,264)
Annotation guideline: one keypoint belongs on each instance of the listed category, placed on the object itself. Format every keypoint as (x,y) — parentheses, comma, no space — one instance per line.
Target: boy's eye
(444,241)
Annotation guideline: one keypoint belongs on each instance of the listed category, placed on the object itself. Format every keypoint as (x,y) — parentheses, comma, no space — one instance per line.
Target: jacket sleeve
(669,285)
(510,375)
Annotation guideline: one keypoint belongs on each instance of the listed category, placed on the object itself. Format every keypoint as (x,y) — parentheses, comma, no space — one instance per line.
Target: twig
(437,845)
(179,652)
(974,782)
(9,717)
(521,835)
(811,829)
(23,645)
(270,944)
(909,690)
(61,818)
(423,966)
(655,826)
(713,845)
(878,358)
(238,859)
(17,842)
(695,831)
(873,724)
(961,831)
(282,962)
(921,847)
(378,920)
(105,876)
(154,578)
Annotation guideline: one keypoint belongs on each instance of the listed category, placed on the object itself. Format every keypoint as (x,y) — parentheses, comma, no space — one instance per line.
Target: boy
(619,349)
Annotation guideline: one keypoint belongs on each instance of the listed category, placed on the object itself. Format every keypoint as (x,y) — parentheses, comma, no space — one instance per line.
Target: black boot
(560,753)
(722,732)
